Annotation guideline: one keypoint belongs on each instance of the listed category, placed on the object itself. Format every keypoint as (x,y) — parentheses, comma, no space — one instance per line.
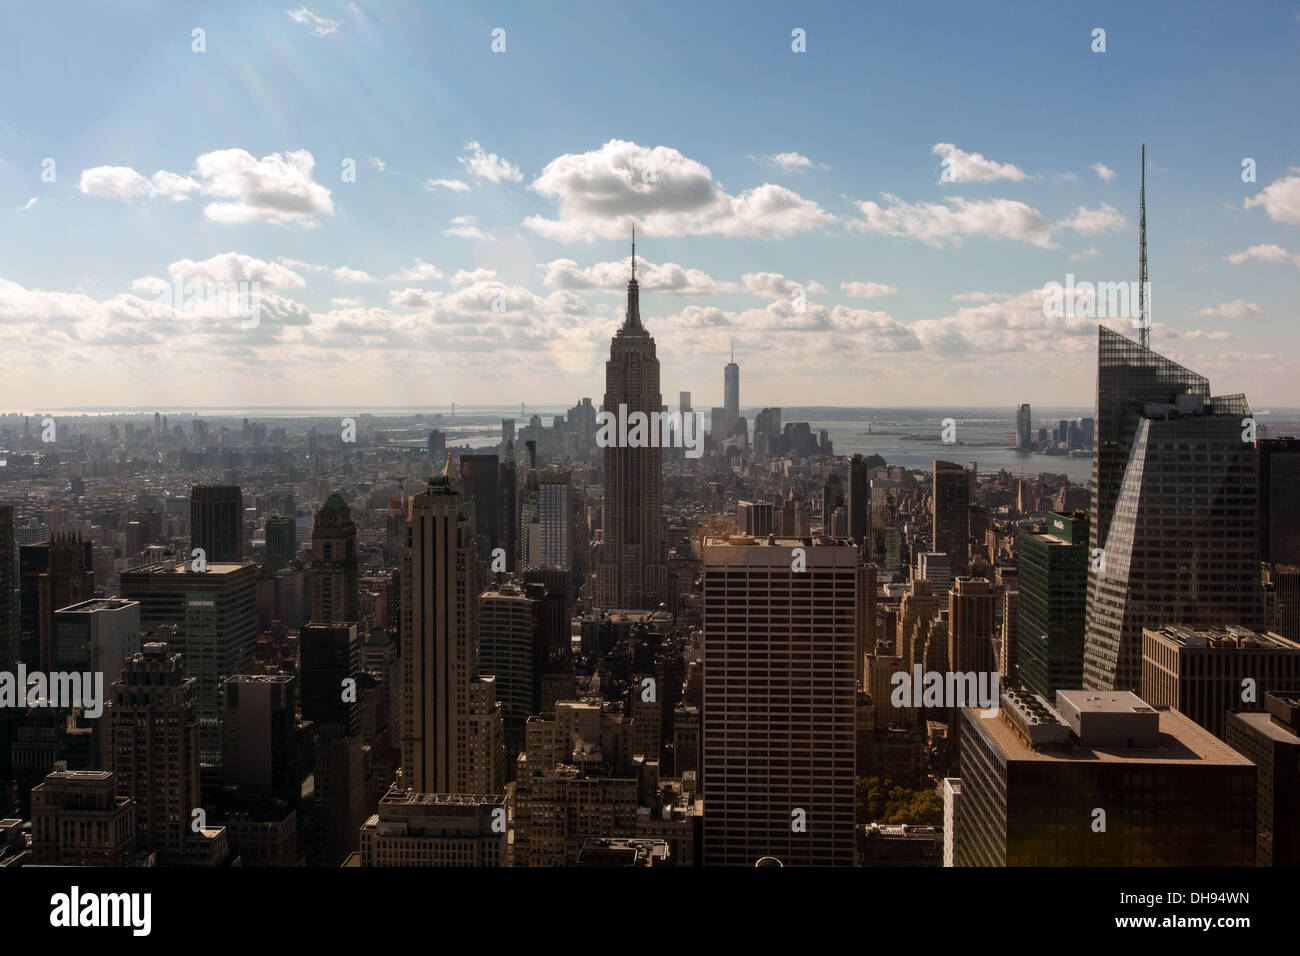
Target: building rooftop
(1233,637)
(97,604)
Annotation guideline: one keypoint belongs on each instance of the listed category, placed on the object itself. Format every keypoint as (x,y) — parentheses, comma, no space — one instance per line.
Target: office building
(258,737)
(1051,607)
(9,611)
(970,626)
(1101,779)
(217,522)
(330,658)
(281,542)
(779,693)
(1175,510)
(554,511)
(1279,500)
(429,829)
(334,592)
(754,518)
(950,514)
(1270,739)
(96,635)
(67,580)
(79,819)
(1204,673)
(1024,428)
(633,571)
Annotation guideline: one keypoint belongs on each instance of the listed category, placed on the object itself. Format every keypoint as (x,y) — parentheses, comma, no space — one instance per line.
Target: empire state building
(632,572)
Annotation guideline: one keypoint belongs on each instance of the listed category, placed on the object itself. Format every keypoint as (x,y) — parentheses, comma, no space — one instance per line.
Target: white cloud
(232,267)
(1268,252)
(299,266)
(788,162)
(345,303)
(1237,309)
(666,279)
(866,290)
(276,188)
(378,163)
(1085,254)
(973,168)
(1104,172)
(413,298)
(27,205)
(320,26)
(601,193)
(980,296)
(464,227)
(344,274)
(955,219)
(1090,221)
(484,165)
(455,185)
(420,272)
(773,285)
(469,277)
(125,184)
(1281,200)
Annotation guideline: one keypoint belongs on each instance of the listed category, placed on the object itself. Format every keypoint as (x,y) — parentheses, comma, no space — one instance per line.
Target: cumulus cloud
(276,188)
(420,272)
(1268,252)
(666,279)
(466,228)
(1236,309)
(964,167)
(601,193)
(1104,172)
(867,290)
(484,165)
(954,220)
(1085,254)
(344,274)
(788,162)
(1090,221)
(773,285)
(1281,200)
(471,276)
(125,184)
(231,267)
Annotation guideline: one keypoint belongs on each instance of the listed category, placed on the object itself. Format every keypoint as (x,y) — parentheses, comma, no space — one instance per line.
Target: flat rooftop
(1230,638)
(1262,722)
(97,604)
(1181,741)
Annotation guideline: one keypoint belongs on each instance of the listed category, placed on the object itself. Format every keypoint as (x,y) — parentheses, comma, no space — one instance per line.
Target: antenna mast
(1144,320)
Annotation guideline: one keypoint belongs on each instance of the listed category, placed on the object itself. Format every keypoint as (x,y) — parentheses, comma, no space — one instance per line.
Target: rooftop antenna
(1144,321)
(733,350)
(634,252)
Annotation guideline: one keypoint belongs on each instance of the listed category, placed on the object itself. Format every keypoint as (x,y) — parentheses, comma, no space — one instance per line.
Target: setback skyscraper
(633,572)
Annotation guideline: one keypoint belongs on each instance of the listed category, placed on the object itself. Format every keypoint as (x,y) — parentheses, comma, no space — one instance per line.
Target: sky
(435,201)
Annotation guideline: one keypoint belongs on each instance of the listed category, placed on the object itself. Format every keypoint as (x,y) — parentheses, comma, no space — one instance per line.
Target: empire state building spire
(632,322)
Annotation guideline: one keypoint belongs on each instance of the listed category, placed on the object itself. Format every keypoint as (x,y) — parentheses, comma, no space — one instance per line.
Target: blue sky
(759,179)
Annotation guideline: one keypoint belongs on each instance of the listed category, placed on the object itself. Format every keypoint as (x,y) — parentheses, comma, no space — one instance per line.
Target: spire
(733,350)
(1144,321)
(632,321)
(446,471)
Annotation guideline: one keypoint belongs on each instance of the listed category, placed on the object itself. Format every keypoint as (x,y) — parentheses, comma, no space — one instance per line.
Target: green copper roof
(334,502)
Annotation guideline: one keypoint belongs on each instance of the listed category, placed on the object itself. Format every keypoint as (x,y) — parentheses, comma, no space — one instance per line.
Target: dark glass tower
(1175,510)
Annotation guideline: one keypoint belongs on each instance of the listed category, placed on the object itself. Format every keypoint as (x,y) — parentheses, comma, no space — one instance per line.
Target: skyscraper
(779,700)
(154,749)
(950,514)
(217,522)
(1050,611)
(1174,530)
(441,582)
(68,580)
(633,570)
(281,541)
(970,626)
(9,614)
(334,596)
(859,502)
(480,481)
(1279,500)
(553,506)
(330,655)
(1024,428)
(731,394)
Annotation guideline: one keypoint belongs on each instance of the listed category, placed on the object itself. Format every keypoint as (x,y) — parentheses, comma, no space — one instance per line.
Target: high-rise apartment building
(779,699)
(970,626)
(217,522)
(1174,529)
(554,513)
(633,571)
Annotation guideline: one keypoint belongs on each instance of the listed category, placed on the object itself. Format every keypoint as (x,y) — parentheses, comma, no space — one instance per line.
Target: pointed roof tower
(632,319)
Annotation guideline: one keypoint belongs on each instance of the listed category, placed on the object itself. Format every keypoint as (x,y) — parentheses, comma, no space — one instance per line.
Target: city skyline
(922,242)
